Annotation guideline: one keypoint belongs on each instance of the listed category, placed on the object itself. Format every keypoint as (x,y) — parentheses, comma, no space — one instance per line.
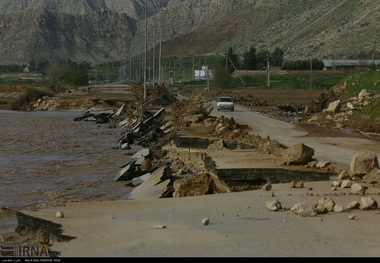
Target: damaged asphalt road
(336,149)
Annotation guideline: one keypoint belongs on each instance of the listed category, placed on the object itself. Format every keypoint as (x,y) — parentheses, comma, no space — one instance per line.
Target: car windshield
(225,99)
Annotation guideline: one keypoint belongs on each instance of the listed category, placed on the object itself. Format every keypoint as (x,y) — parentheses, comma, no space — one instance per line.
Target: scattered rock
(59,214)
(303,210)
(358,189)
(266,187)
(363,163)
(368,203)
(273,205)
(205,221)
(298,154)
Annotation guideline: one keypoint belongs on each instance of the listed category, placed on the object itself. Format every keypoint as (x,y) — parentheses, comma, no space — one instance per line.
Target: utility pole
(206,74)
(311,70)
(145,55)
(130,68)
(154,51)
(160,51)
(174,76)
(193,68)
(227,60)
(160,54)
(268,74)
(106,71)
(373,53)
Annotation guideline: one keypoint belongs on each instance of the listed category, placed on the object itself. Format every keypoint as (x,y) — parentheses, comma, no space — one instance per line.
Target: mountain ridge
(98,31)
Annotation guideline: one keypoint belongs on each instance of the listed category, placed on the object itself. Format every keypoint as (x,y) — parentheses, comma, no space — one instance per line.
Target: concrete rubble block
(157,185)
(201,184)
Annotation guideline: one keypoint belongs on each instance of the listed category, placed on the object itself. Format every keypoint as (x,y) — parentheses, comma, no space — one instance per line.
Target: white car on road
(225,103)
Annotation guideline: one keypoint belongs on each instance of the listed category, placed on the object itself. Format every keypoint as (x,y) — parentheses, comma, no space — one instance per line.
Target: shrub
(28,96)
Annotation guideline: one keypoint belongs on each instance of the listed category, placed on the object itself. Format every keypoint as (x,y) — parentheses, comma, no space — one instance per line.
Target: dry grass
(10,88)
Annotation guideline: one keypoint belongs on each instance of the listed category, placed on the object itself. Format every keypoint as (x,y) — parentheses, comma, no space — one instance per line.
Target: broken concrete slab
(156,186)
(127,173)
(261,169)
(142,153)
(139,180)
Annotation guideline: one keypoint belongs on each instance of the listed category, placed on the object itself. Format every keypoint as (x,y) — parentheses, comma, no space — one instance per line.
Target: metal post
(159,56)
(268,75)
(206,73)
(160,51)
(193,67)
(373,53)
(145,55)
(227,60)
(154,52)
(311,70)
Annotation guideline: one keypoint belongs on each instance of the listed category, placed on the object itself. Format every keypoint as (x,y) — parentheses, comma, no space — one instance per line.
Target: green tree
(32,65)
(42,65)
(277,57)
(66,74)
(316,64)
(249,59)
(222,77)
(262,59)
(231,61)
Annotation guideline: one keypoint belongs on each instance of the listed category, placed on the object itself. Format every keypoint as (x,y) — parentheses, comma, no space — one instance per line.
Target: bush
(28,96)
(66,74)
(222,78)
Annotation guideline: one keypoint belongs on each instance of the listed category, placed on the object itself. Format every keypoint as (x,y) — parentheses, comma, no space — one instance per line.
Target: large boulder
(363,163)
(298,154)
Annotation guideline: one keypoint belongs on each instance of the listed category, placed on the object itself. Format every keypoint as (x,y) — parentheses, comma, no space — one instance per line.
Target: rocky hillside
(107,30)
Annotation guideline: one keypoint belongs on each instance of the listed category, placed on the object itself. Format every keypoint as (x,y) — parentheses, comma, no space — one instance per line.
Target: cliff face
(97,31)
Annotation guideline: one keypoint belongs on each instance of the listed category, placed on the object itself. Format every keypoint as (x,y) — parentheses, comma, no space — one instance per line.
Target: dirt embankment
(291,105)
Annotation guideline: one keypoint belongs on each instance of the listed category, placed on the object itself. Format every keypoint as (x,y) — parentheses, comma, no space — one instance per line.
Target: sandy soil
(239,225)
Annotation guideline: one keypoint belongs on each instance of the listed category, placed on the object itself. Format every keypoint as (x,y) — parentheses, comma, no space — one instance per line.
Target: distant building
(348,63)
(201,74)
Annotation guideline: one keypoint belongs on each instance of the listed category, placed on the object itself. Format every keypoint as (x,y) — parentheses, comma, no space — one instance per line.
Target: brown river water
(47,159)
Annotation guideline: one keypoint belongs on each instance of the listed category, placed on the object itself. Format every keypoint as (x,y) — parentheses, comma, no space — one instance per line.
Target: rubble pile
(334,109)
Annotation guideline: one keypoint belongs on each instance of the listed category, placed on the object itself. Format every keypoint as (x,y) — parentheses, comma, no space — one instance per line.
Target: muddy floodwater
(47,159)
